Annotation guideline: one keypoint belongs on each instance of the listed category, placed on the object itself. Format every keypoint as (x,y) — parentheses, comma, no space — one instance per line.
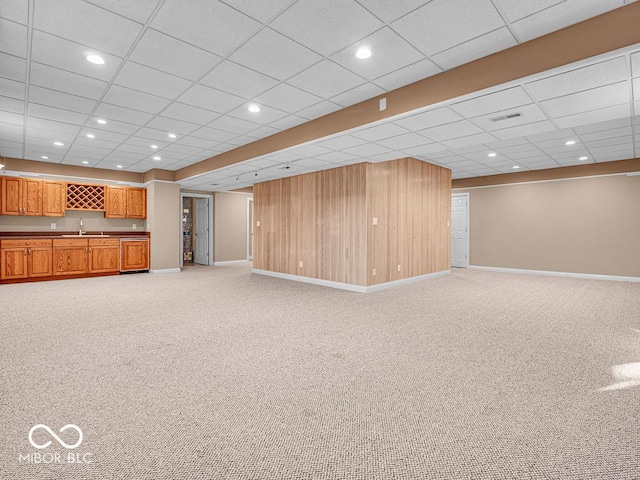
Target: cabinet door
(115,202)
(31,197)
(40,262)
(11,202)
(14,263)
(135,255)
(137,202)
(104,258)
(53,198)
(70,260)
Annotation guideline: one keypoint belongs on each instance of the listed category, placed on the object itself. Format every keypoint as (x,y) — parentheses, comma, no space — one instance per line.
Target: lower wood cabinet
(104,255)
(135,254)
(70,256)
(25,259)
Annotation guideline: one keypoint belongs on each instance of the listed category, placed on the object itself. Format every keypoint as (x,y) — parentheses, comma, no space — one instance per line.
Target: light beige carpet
(215,373)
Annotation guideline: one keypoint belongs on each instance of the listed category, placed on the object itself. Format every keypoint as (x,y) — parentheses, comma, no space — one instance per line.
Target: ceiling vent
(506,117)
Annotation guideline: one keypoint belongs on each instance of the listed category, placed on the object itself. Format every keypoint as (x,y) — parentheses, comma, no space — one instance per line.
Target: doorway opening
(196,220)
(460,230)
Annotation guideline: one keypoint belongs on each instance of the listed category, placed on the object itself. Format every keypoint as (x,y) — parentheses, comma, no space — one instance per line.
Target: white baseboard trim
(590,276)
(349,286)
(166,270)
(230,262)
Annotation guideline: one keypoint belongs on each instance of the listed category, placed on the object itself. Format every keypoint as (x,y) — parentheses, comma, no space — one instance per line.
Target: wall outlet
(53,226)
(375,220)
(134,226)
(300,263)
(374,272)
(398,267)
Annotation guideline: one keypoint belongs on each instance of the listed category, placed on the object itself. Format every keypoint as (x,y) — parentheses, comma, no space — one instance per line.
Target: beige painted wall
(163,222)
(589,225)
(230,226)
(93,222)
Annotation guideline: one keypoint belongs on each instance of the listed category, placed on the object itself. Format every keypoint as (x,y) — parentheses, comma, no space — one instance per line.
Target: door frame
(210,241)
(454,194)
(249,227)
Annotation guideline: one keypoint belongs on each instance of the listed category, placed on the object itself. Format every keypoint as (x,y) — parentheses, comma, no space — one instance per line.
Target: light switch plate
(53,226)
(134,226)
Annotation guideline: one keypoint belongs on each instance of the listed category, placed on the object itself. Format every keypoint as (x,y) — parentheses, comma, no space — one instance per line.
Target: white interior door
(201,227)
(460,230)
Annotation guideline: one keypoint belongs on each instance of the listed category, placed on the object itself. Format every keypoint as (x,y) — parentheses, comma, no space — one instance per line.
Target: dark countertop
(49,234)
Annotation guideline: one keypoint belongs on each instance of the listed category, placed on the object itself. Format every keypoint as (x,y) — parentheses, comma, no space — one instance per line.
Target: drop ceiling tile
(380,132)
(607,142)
(615,158)
(11,117)
(183,149)
(321,27)
(172,125)
(636,88)
(238,80)
(518,9)
(561,15)
(326,79)
(261,11)
(287,98)
(262,163)
(585,78)
(603,126)
(604,114)
(264,131)
(449,131)
(367,150)
(213,134)
(210,25)
(233,125)
(432,150)
(529,114)
(389,11)
(113,112)
(358,94)
(266,114)
(132,151)
(442,24)
(211,99)
(341,142)
(145,79)
(11,67)
(524,130)
(56,114)
(404,141)
(555,134)
(14,105)
(200,143)
(12,132)
(404,76)
(47,129)
(15,10)
(318,110)
(310,150)
(66,82)
(275,55)
(431,118)
(515,149)
(66,55)
(13,38)
(288,122)
(104,135)
(512,142)
(389,53)
(128,98)
(511,98)
(188,113)
(52,98)
(139,11)
(469,140)
(283,157)
(241,140)
(96,30)
(606,134)
(489,43)
(95,143)
(172,56)
(312,163)
(635,64)
(113,126)
(337,157)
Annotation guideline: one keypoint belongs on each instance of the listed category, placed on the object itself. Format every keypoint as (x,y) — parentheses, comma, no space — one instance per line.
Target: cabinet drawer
(108,242)
(70,242)
(25,243)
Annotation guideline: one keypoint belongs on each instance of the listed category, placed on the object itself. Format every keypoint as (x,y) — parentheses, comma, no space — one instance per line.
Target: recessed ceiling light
(102,122)
(44,157)
(515,167)
(157,158)
(570,142)
(118,166)
(96,59)
(58,144)
(253,108)
(90,135)
(583,158)
(172,135)
(363,52)
(85,162)
(155,147)
(492,154)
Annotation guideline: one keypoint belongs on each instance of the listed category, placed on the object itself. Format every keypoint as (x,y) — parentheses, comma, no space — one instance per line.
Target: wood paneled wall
(325,220)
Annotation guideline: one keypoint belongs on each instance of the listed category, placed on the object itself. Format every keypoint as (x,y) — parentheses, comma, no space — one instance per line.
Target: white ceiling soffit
(193,72)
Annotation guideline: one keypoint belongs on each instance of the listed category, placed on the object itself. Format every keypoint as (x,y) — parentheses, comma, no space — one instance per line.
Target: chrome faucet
(80,232)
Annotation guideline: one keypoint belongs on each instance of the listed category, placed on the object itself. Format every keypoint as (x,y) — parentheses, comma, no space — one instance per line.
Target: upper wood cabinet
(125,202)
(53,198)
(21,196)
